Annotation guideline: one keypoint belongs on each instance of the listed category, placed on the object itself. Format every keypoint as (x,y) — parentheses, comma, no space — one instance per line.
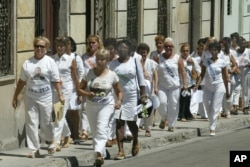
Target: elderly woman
(98,86)
(130,72)
(38,74)
(215,72)
(171,69)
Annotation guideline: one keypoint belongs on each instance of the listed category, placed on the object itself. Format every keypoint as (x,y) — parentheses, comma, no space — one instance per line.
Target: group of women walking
(104,86)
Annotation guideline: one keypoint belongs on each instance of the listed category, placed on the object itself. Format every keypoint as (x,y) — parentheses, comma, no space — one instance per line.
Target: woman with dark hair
(73,114)
(242,57)
(111,44)
(198,54)
(231,68)
(215,72)
(151,80)
(67,69)
(130,73)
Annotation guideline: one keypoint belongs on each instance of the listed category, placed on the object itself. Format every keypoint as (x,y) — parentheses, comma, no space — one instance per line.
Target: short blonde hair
(103,53)
(41,38)
(169,40)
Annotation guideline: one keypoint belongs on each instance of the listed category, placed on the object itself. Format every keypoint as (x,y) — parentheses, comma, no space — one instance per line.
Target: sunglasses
(39,46)
(168,46)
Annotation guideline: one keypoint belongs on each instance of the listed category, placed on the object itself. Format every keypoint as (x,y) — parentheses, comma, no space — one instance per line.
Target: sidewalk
(84,153)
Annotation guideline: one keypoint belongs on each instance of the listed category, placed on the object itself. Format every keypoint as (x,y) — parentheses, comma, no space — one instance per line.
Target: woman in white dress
(98,87)
(171,69)
(151,79)
(215,72)
(38,74)
(129,71)
(73,114)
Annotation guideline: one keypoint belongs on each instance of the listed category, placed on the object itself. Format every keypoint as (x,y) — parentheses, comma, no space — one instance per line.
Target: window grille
(162,17)
(5,57)
(132,19)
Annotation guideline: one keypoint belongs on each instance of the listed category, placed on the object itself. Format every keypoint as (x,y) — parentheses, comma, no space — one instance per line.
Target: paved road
(200,152)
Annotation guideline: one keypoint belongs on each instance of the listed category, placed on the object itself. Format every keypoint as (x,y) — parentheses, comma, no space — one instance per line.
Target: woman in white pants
(243,56)
(231,68)
(38,74)
(215,72)
(67,68)
(98,87)
(151,78)
(171,68)
(94,43)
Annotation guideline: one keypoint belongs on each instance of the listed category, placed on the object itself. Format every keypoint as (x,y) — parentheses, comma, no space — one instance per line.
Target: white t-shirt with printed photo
(38,75)
(101,86)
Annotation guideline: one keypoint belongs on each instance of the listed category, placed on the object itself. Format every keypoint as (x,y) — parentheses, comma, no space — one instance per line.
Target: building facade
(22,20)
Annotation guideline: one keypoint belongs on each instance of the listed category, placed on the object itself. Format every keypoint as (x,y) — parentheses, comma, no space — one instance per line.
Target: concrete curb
(183,131)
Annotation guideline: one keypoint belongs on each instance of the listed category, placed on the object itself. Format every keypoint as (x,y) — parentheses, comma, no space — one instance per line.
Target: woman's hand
(144,99)
(61,98)
(14,103)
(118,104)
(90,95)
(156,90)
(79,100)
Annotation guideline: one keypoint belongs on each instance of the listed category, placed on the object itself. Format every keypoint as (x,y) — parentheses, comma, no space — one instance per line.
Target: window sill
(8,79)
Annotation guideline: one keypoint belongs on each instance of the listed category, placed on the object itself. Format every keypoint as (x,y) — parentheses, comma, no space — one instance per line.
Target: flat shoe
(162,125)
(51,151)
(67,142)
(99,162)
(84,136)
(109,143)
(183,120)
(119,156)
(170,129)
(35,154)
(148,134)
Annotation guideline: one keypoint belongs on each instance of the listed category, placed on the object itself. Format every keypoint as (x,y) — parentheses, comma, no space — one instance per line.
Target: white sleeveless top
(168,72)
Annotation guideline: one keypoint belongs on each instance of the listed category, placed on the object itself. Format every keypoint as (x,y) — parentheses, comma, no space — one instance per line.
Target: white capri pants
(99,116)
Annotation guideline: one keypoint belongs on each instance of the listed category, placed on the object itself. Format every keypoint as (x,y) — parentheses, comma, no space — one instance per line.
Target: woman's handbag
(58,111)
(194,74)
(144,110)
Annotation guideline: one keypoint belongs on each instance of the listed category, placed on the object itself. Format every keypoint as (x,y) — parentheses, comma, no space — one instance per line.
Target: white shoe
(212,133)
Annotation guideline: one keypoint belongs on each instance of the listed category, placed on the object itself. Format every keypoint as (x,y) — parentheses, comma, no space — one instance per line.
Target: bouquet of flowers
(144,110)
